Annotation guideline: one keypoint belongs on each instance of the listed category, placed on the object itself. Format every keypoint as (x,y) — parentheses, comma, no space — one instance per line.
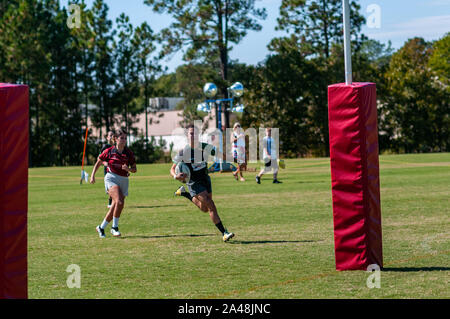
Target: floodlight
(210,90)
(237,89)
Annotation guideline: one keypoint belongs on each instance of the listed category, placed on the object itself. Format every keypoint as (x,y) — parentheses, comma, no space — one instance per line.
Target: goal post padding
(14,117)
(353,132)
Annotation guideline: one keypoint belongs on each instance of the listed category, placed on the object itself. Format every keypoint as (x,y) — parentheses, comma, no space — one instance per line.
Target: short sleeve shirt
(116,159)
(269,145)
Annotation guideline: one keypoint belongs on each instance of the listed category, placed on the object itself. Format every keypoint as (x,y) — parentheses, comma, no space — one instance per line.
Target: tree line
(108,71)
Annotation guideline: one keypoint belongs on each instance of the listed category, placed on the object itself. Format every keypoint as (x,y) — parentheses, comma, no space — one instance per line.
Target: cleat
(276,181)
(227,236)
(180,191)
(115,232)
(258,179)
(100,231)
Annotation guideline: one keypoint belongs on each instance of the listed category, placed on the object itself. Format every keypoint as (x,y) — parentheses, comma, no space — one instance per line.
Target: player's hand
(92,179)
(181,176)
(125,167)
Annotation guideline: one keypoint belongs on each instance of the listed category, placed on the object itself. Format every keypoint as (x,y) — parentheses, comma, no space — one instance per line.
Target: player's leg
(181,191)
(241,168)
(202,206)
(118,204)
(109,197)
(205,200)
(261,173)
(236,173)
(110,213)
(197,188)
(109,216)
(275,172)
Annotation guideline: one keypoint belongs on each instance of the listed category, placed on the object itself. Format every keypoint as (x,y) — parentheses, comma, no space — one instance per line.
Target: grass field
(283,247)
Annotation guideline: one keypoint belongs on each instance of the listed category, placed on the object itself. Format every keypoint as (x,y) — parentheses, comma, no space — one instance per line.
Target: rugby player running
(195,156)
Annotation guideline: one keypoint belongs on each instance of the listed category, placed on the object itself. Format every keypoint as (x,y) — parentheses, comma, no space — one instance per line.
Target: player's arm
(133,168)
(130,167)
(94,170)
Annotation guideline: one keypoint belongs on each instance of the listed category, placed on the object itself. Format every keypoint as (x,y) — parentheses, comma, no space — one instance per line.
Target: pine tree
(147,65)
(206,29)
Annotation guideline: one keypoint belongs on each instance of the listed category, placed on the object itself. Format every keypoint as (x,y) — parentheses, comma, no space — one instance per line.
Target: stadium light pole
(347,43)
(210,91)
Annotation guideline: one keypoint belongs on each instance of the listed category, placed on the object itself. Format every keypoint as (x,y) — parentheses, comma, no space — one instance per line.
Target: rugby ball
(183,168)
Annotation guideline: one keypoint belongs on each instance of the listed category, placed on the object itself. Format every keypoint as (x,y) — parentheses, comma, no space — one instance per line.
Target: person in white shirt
(270,157)
(238,150)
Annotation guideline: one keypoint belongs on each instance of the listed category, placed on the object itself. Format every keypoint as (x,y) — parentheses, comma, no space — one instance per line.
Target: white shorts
(270,165)
(112,179)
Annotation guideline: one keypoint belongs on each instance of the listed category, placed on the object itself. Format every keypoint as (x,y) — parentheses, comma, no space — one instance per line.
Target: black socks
(220,227)
(187,195)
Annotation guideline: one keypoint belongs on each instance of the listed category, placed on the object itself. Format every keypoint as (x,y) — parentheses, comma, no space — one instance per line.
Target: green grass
(283,247)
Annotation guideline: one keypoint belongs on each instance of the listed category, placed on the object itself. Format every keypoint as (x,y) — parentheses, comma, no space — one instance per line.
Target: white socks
(104,224)
(115,223)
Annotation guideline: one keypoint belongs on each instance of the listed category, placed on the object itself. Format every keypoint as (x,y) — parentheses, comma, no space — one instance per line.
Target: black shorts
(199,186)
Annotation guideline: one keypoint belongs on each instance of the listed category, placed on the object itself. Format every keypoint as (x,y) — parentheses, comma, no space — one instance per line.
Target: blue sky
(399,21)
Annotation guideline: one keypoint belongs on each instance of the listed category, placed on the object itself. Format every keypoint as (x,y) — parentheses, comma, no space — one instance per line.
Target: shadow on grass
(413,269)
(167,236)
(155,206)
(312,182)
(249,242)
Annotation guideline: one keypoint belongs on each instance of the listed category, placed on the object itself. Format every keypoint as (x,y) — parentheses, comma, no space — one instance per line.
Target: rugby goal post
(355,183)
(14,117)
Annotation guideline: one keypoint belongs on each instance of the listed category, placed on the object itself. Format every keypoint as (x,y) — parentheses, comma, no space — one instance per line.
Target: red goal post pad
(355,183)
(14,119)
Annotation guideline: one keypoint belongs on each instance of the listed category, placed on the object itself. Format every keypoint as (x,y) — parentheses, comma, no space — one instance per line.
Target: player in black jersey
(195,156)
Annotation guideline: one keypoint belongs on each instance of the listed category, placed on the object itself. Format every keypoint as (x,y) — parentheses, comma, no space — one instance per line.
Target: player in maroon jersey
(120,163)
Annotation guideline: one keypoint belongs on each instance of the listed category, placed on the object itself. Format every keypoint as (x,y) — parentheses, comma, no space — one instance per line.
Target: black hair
(120,132)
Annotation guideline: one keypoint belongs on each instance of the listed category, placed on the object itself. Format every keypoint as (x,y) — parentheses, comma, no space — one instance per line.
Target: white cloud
(429,28)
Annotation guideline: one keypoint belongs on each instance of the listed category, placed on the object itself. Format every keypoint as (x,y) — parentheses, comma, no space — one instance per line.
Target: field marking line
(322,275)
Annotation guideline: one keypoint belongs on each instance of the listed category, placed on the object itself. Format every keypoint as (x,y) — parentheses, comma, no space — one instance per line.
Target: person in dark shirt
(121,162)
(195,156)
(109,143)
